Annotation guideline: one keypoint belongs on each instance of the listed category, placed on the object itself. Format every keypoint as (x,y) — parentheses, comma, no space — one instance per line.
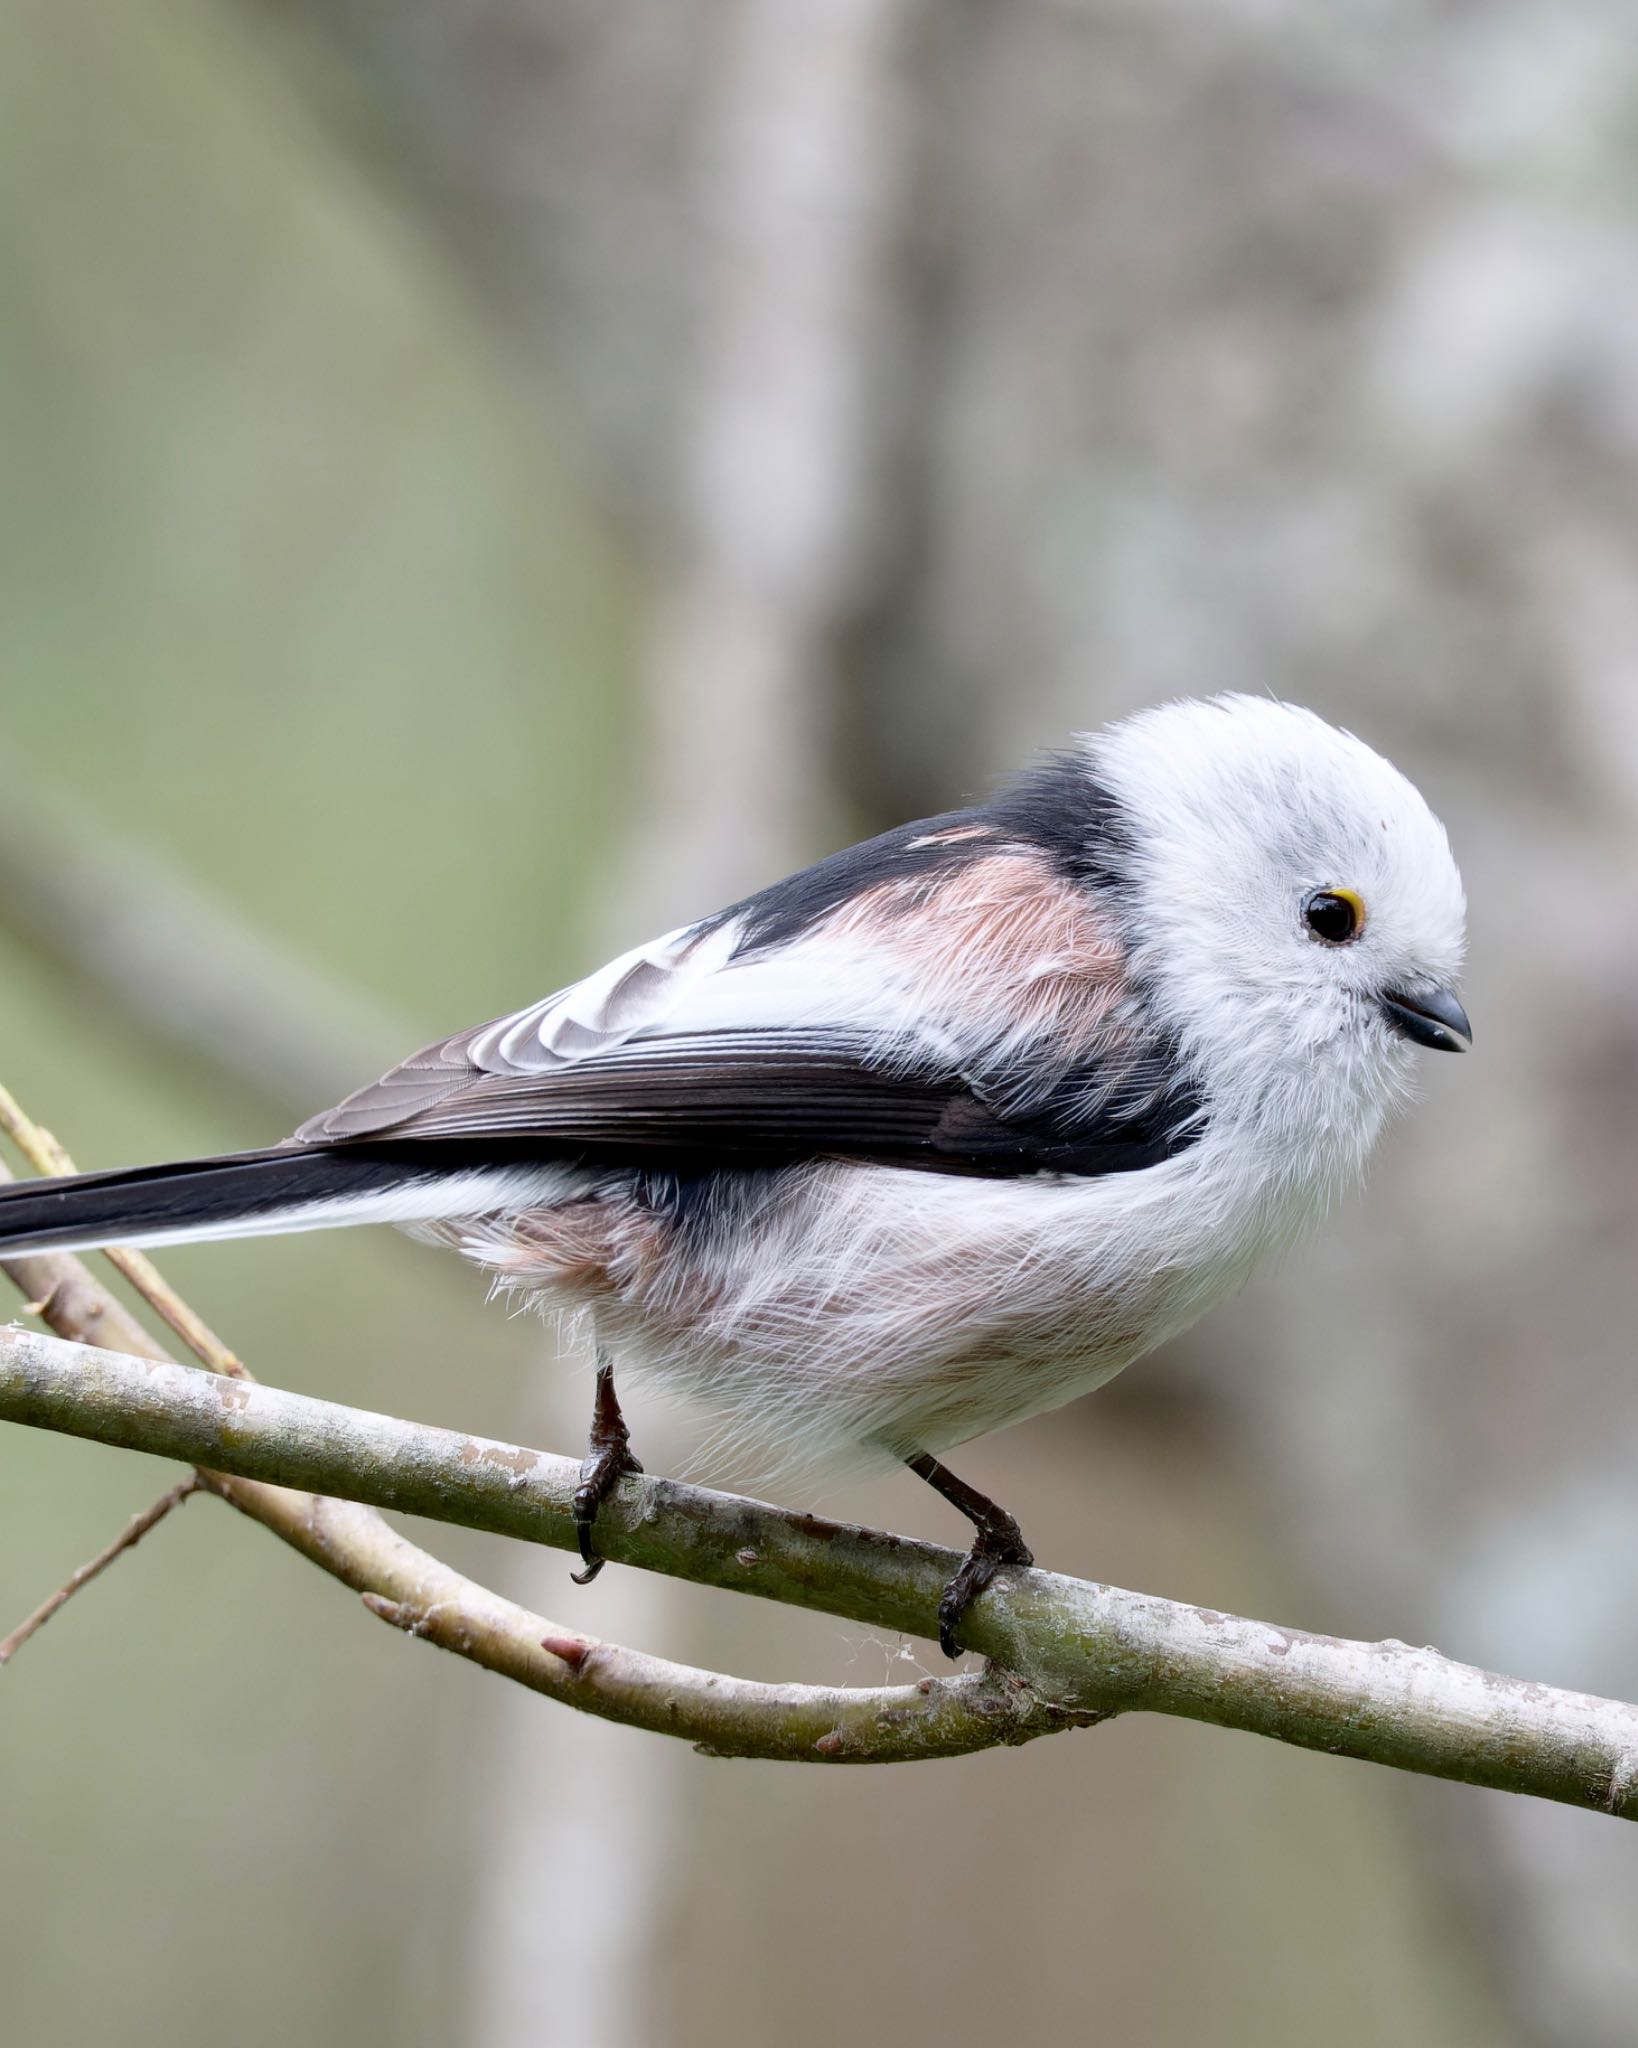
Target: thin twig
(127,1539)
(70,1301)
(1071,1648)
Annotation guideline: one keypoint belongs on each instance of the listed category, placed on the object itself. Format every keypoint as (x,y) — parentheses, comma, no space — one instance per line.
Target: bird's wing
(977,1020)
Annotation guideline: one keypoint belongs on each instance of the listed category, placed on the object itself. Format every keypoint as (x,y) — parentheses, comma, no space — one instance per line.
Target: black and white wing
(948,998)
(974,1024)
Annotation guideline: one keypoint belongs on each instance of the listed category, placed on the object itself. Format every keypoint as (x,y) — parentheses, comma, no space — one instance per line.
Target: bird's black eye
(1334,915)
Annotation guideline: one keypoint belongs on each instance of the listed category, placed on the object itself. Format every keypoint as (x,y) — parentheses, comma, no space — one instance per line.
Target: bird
(935,1134)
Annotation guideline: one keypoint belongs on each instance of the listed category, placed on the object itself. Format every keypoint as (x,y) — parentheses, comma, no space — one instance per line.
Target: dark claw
(975,1574)
(587,1501)
(997,1540)
(607,1464)
(994,1548)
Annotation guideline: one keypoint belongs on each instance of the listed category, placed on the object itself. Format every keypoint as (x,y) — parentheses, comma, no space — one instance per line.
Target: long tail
(257,1194)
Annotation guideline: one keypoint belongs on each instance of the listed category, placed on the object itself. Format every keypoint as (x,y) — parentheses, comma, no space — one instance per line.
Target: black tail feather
(191,1196)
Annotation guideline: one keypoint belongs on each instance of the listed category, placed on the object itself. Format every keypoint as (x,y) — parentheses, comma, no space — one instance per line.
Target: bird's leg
(608,1458)
(999,1541)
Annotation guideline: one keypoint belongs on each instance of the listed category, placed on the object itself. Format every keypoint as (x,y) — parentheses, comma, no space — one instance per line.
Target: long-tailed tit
(937,1133)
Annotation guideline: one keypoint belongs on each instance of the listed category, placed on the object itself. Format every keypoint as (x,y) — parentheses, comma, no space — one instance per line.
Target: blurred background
(480,483)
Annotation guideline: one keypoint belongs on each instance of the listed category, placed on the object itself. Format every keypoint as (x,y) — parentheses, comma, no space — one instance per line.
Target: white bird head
(1299,916)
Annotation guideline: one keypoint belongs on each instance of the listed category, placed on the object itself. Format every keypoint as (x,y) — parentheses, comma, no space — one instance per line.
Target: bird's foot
(607,1461)
(999,1541)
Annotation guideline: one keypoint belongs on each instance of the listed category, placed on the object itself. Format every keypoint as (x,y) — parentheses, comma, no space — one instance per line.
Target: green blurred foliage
(296,588)
(291,581)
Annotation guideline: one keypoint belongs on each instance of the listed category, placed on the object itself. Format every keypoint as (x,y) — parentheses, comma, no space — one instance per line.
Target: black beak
(1432,1017)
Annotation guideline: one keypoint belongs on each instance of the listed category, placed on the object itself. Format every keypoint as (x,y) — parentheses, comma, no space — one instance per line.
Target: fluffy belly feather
(841,1316)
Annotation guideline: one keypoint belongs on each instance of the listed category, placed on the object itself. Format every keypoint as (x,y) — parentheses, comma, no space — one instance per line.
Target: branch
(1072,1650)
(127,1539)
(72,1302)
(415,1592)
(722,1716)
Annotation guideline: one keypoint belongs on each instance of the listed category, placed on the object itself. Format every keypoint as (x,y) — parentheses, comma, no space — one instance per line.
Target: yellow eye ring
(1336,917)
